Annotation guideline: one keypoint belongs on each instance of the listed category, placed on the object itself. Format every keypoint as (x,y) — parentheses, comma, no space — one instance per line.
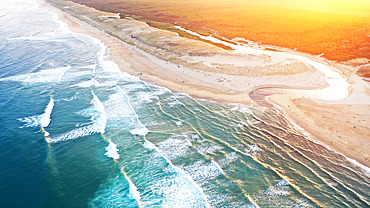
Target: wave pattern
(144,146)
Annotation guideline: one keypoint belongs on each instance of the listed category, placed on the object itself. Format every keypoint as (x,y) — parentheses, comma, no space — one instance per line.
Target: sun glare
(336,6)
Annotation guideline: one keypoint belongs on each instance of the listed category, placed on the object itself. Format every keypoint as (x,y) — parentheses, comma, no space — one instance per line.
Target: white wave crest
(120,112)
(179,189)
(31,121)
(229,158)
(46,117)
(140,131)
(99,120)
(218,167)
(112,151)
(207,148)
(178,123)
(147,144)
(42,120)
(117,192)
(74,134)
(134,193)
(137,128)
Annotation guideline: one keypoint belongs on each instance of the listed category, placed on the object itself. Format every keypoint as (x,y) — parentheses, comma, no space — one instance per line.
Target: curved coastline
(219,86)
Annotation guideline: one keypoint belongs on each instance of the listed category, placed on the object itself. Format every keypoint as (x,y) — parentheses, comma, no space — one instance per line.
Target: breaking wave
(98,118)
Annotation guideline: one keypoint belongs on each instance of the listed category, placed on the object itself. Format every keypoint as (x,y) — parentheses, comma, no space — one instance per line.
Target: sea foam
(203,171)
(229,158)
(138,127)
(179,189)
(140,131)
(134,193)
(174,148)
(53,75)
(98,118)
(279,195)
(31,121)
(112,151)
(117,192)
(120,112)
(45,118)
(178,123)
(42,120)
(253,150)
(280,189)
(74,134)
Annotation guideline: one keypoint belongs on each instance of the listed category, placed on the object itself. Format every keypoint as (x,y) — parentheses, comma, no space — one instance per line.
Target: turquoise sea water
(78,132)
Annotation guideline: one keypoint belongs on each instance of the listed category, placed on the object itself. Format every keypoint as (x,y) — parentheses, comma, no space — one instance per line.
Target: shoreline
(209,85)
(352,149)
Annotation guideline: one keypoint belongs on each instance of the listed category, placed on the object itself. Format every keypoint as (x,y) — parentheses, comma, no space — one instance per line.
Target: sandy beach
(205,71)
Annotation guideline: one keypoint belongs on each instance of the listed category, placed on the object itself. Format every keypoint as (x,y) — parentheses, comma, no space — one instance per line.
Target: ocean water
(76,131)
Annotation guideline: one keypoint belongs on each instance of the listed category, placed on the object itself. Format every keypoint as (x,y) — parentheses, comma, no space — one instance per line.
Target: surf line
(112,152)
(147,144)
(97,116)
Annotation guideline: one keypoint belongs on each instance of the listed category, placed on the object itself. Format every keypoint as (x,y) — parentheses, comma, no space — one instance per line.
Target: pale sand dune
(205,71)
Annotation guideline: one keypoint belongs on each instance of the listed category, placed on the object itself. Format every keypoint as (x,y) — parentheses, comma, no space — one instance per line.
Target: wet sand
(342,125)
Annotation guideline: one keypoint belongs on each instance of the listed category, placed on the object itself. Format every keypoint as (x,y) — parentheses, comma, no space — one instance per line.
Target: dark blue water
(78,132)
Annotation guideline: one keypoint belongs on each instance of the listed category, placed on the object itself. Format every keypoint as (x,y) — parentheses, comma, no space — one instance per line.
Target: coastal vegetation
(338,31)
